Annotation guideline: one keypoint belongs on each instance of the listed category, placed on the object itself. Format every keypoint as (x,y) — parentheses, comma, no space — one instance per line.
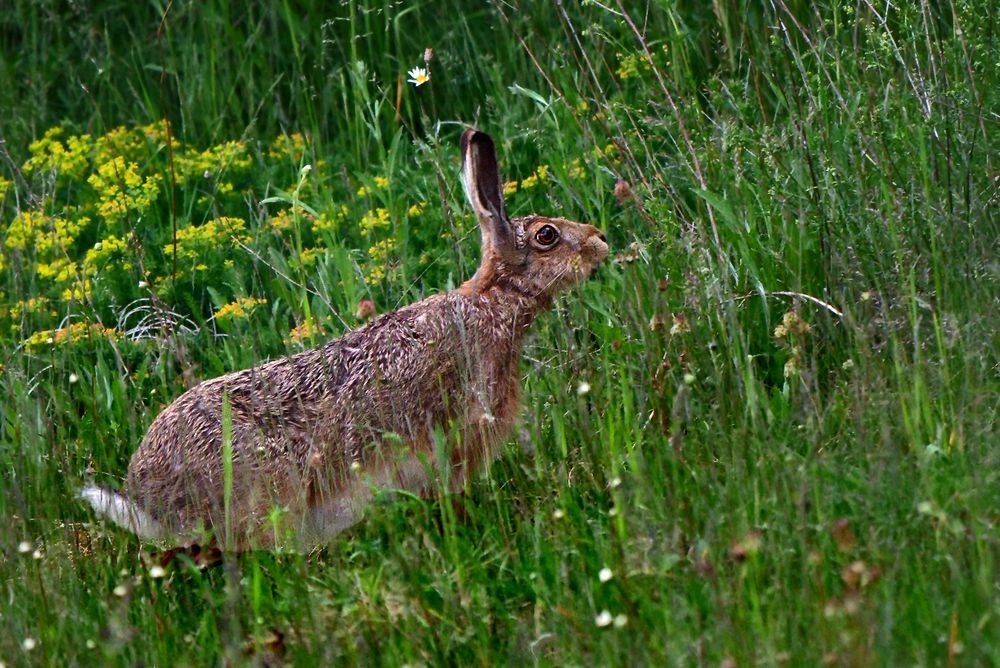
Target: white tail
(122,511)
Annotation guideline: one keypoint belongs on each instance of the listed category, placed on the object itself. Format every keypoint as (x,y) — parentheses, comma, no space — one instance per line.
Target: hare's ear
(484,189)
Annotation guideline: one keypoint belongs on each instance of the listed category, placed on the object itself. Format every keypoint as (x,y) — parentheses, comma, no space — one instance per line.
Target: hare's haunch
(315,435)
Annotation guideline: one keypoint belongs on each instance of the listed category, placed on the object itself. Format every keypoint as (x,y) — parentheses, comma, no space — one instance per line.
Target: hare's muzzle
(595,248)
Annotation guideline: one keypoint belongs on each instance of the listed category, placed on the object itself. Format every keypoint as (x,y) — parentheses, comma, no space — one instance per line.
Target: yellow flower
(42,232)
(630,64)
(308,256)
(791,323)
(119,143)
(380,182)
(284,219)
(241,308)
(304,331)
(379,254)
(102,252)
(540,174)
(33,305)
(78,292)
(156,132)
(291,146)
(510,188)
(327,222)
(374,219)
(416,209)
(229,157)
(78,331)
(122,189)
(50,154)
(380,251)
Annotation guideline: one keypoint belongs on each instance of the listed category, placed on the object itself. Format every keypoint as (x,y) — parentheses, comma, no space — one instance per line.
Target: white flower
(603,619)
(120,591)
(418,76)
(156,572)
(143,284)
(558,514)
(620,621)
(73,378)
(583,388)
(91,643)
(24,547)
(36,555)
(614,482)
(28,644)
(605,574)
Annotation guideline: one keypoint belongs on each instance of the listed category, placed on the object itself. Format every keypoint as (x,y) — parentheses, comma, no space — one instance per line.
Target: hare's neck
(506,316)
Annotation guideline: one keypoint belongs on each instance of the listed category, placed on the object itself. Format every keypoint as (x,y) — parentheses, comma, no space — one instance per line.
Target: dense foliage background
(765,433)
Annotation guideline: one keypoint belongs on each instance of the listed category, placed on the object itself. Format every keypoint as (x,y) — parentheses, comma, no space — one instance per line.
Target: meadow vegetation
(764,433)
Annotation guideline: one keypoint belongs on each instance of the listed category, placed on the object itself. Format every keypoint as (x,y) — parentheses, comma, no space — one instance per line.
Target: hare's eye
(547,235)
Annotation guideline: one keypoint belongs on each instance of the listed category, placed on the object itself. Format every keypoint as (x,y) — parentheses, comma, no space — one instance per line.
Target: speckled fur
(317,434)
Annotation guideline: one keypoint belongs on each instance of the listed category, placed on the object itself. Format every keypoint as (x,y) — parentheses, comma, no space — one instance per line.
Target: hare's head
(534,255)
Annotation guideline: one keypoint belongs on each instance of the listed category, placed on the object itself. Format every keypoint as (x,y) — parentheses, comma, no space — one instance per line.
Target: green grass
(814,494)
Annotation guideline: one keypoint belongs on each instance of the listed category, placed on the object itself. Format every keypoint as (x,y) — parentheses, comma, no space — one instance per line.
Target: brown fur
(315,435)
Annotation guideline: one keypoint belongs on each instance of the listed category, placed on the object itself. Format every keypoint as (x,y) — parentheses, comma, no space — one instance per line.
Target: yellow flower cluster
(610,152)
(327,222)
(226,157)
(33,305)
(44,233)
(374,219)
(195,242)
(78,331)
(121,189)
(285,219)
(308,256)
(5,185)
(416,209)
(291,146)
(379,254)
(50,154)
(380,182)
(71,156)
(241,308)
(51,237)
(631,64)
(111,248)
(540,175)
(120,142)
(791,323)
(305,331)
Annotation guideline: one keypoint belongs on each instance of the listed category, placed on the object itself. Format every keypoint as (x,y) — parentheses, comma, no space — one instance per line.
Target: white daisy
(419,76)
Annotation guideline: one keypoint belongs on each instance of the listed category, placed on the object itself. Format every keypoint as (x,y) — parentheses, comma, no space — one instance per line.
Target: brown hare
(429,390)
